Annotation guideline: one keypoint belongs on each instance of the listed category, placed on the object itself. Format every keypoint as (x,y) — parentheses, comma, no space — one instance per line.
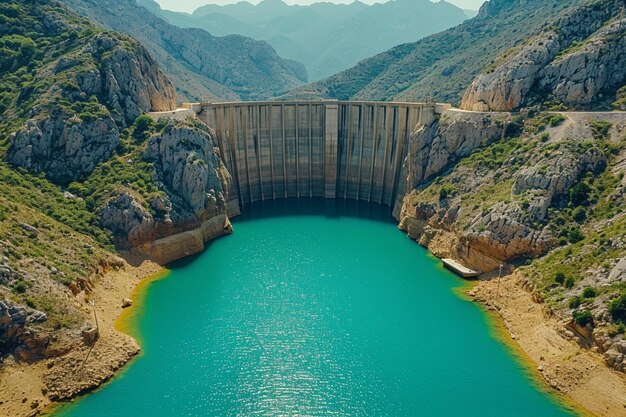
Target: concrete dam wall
(330,149)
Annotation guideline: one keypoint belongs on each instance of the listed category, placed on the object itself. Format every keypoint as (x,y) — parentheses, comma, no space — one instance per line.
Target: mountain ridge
(200,64)
(326,37)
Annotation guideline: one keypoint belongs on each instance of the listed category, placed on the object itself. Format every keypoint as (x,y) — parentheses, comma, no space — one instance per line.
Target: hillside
(199,64)
(442,65)
(326,37)
(577,62)
(84,174)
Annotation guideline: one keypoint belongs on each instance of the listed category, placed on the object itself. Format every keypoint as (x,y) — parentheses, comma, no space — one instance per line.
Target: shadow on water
(330,208)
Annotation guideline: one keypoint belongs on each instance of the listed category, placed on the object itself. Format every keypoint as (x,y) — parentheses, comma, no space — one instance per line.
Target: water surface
(315,308)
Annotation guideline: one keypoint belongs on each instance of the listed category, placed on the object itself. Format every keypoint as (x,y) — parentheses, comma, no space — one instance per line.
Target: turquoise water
(315,308)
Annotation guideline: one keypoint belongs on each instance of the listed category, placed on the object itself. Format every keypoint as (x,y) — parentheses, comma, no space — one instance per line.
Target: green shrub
(617,308)
(142,128)
(583,318)
(575,235)
(559,277)
(569,282)
(589,292)
(575,302)
(579,214)
(615,330)
(579,194)
(446,191)
(600,129)
(554,119)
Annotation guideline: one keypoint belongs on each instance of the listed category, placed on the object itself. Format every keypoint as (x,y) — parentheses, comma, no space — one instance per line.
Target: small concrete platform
(459,269)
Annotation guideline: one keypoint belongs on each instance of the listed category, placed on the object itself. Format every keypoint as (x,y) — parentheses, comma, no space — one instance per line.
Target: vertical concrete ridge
(328,148)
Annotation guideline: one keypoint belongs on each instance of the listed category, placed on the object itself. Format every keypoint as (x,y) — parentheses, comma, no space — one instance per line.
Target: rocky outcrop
(63,147)
(17,333)
(129,80)
(435,147)
(558,173)
(587,72)
(75,124)
(492,230)
(456,135)
(193,183)
(618,274)
(576,59)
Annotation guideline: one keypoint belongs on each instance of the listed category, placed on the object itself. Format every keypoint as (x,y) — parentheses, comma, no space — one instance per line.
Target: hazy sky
(191,5)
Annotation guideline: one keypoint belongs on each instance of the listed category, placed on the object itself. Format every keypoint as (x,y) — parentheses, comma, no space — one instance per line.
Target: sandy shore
(29,390)
(579,375)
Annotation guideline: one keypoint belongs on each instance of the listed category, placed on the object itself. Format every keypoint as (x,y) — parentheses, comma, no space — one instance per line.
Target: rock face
(16,324)
(435,147)
(575,61)
(129,79)
(619,272)
(193,181)
(63,149)
(490,230)
(67,141)
(456,135)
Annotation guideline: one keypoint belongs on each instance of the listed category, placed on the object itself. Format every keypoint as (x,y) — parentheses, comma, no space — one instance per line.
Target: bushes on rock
(142,128)
(617,308)
(575,235)
(589,292)
(583,318)
(559,277)
(579,214)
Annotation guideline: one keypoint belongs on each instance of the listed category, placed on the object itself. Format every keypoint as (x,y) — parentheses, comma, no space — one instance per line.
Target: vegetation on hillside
(586,223)
(445,64)
(200,65)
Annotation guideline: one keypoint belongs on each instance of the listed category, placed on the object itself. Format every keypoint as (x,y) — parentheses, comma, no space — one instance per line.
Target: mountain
(325,37)
(577,62)
(445,64)
(84,173)
(199,64)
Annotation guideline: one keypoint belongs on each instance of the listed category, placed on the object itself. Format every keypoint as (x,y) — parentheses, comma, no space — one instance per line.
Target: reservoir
(315,308)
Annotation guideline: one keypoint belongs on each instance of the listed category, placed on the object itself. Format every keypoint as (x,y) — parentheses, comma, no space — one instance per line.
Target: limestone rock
(193,181)
(127,302)
(71,128)
(189,165)
(574,60)
(63,148)
(125,217)
(559,174)
(129,79)
(16,330)
(619,272)
(456,135)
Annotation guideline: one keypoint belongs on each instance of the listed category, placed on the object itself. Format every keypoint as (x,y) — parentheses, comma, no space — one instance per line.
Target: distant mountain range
(200,65)
(445,64)
(325,37)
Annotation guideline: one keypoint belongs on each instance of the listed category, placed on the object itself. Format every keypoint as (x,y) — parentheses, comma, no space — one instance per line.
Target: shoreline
(576,378)
(126,323)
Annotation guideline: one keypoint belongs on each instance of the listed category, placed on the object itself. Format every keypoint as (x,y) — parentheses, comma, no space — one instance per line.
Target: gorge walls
(330,149)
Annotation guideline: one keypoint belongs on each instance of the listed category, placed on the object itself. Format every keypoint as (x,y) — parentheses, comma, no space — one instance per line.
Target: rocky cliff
(543,193)
(576,61)
(192,183)
(80,103)
(83,172)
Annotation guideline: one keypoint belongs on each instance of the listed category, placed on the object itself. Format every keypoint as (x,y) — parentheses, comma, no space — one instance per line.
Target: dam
(330,149)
